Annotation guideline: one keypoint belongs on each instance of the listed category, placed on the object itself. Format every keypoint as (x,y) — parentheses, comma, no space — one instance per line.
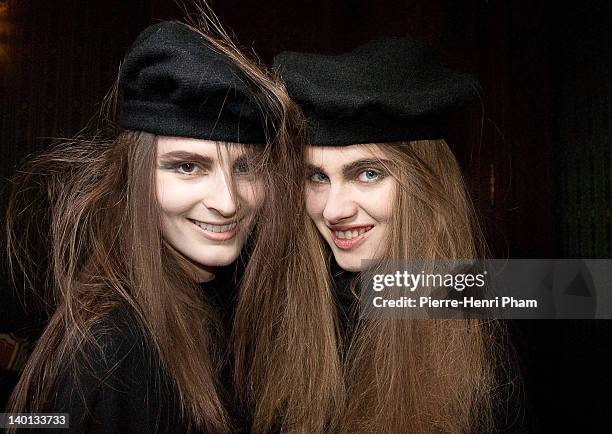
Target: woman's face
(208,196)
(350,197)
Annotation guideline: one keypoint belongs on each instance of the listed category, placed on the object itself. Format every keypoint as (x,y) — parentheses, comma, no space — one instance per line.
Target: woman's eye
(318,178)
(187,168)
(369,175)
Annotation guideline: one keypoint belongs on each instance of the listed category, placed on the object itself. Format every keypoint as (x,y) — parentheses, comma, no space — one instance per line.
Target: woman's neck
(197,272)
(202,275)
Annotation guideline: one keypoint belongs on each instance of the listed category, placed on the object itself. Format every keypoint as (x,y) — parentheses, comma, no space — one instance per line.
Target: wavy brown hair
(105,249)
(388,375)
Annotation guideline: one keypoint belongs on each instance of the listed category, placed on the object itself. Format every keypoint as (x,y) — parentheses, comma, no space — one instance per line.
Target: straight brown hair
(106,250)
(395,375)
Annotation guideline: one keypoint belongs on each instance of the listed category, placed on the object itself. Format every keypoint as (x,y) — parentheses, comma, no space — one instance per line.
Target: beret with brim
(174,83)
(388,90)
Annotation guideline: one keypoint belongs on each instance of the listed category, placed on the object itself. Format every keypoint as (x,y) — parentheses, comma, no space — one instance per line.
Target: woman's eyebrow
(313,168)
(350,168)
(187,156)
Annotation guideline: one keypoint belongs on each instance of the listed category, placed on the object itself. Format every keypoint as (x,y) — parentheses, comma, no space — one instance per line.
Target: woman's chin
(217,261)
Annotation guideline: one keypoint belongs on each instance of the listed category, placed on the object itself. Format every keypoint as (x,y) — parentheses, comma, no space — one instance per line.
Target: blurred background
(536,151)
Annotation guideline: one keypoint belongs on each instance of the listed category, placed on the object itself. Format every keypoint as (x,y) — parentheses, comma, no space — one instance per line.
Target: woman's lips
(349,237)
(215,232)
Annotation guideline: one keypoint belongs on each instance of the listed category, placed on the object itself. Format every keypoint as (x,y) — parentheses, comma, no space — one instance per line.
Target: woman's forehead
(210,148)
(330,156)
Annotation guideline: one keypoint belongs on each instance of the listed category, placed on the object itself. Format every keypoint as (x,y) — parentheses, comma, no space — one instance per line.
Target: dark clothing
(222,299)
(121,387)
(346,301)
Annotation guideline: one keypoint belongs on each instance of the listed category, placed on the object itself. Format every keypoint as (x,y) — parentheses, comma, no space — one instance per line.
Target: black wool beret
(387,90)
(174,83)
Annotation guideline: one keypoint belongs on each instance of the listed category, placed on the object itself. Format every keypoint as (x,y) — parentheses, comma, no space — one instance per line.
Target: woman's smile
(214,182)
(347,238)
(349,197)
(216,231)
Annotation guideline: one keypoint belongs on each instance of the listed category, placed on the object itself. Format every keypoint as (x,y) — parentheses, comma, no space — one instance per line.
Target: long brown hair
(394,376)
(106,250)
(425,375)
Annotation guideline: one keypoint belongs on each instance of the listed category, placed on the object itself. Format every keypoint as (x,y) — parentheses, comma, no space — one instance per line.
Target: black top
(222,298)
(121,388)
(346,302)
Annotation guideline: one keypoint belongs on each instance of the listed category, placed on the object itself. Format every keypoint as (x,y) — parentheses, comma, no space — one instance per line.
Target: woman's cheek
(252,195)
(175,196)
(382,201)
(315,203)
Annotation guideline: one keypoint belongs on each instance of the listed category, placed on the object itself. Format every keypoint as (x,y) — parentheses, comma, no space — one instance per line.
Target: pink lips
(217,236)
(345,244)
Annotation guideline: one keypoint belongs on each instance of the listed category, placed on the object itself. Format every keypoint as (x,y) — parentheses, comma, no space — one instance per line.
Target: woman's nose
(221,197)
(340,204)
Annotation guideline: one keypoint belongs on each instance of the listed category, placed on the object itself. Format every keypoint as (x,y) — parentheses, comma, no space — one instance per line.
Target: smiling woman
(141,230)
(350,196)
(381,184)
(208,196)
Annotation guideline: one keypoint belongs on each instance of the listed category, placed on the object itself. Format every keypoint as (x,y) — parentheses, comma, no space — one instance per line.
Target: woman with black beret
(381,184)
(143,231)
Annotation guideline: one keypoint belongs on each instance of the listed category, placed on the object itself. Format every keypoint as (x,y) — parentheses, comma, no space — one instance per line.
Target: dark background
(536,153)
